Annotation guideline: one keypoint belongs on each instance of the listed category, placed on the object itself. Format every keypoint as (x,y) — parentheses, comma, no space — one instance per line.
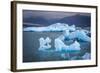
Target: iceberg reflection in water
(70,44)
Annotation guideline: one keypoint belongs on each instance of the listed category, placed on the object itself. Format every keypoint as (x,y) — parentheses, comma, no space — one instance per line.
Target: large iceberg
(81,35)
(53,27)
(44,43)
(78,34)
(61,46)
(38,29)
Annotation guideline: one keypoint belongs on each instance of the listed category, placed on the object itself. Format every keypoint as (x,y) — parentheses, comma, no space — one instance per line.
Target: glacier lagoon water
(32,54)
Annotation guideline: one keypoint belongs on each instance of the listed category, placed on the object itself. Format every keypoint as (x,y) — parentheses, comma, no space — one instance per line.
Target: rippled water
(31,45)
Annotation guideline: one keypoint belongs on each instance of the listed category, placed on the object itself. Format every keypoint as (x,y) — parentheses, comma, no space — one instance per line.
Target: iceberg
(59,44)
(78,34)
(86,56)
(53,27)
(38,29)
(58,27)
(65,55)
(75,46)
(71,36)
(66,34)
(81,35)
(72,28)
(44,43)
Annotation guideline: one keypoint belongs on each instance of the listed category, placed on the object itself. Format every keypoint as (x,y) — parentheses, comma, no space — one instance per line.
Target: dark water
(31,45)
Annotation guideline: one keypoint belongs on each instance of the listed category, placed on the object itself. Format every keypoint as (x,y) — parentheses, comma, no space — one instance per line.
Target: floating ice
(58,27)
(78,34)
(81,35)
(66,34)
(86,56)
(65,55)
(53,27)
(71,35)
(38,29)
(59,44)
(75,46)
(72,28)
(44,43)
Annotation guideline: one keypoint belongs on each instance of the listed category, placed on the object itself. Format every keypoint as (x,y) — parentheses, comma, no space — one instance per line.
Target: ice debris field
(71,33)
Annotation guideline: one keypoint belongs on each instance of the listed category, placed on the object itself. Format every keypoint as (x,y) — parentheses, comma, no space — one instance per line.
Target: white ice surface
(44,43)
(53,27)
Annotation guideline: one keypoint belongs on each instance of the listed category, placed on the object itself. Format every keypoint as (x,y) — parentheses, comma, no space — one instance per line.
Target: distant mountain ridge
(78,20)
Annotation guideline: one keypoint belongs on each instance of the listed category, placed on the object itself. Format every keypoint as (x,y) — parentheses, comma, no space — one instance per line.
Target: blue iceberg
(78,34)
(53,27)
(44,43)
(86,56)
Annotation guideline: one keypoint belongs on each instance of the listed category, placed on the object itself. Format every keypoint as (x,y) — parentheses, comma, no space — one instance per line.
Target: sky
(35,17)
(50,14)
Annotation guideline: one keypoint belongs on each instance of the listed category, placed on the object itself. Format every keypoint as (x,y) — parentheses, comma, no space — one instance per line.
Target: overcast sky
(49,14)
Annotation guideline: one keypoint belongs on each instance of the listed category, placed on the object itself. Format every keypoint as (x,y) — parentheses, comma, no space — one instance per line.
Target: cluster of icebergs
(69,32)
(59,45)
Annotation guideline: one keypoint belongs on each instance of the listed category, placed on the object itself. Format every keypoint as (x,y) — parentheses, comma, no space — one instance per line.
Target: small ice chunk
(75,46)
(72,28)
(86,56)
(65,55)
